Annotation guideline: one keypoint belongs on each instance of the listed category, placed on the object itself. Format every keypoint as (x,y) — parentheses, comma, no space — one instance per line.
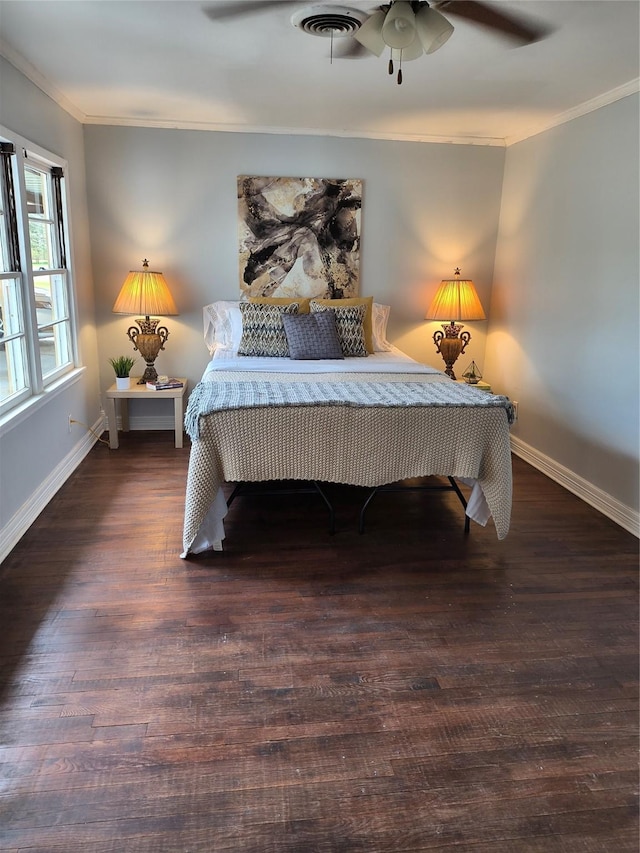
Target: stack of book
(162,383)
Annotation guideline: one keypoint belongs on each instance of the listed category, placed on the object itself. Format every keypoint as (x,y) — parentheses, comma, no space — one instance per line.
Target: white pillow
(379,318)
(222,326)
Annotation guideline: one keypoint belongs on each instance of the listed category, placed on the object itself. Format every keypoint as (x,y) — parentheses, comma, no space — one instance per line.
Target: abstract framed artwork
(299,236)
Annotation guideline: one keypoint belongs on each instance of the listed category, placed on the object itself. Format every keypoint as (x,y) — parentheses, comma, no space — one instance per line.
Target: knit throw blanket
(212,396)
(364,431)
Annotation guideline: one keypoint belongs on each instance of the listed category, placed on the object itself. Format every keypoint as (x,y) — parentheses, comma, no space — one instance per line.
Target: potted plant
(122,366)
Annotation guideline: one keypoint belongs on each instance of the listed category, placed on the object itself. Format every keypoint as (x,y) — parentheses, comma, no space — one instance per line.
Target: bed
(368,420)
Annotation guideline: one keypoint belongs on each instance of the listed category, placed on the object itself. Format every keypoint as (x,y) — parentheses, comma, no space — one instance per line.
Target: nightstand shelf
(137,392)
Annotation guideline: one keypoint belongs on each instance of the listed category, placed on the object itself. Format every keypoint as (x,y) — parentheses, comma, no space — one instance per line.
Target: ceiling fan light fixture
(370,33)
(433,29)
(399,28)
(407,54)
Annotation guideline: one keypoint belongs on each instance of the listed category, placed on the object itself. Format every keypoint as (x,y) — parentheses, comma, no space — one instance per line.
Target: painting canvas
(299,236)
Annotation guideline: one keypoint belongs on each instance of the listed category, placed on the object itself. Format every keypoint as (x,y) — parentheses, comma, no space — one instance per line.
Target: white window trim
(39,392)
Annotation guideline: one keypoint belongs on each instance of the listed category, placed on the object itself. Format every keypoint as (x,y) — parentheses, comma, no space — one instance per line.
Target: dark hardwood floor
(410,689)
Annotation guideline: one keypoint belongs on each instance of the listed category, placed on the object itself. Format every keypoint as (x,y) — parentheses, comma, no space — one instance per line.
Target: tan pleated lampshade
(145,292)
(456,299)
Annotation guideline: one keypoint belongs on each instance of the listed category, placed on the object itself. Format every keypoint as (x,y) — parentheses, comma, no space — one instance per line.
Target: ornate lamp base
(148,340)
(150,373)
(450,344)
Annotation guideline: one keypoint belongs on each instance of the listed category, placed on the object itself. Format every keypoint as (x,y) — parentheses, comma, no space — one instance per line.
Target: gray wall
(564,335)
(170,196)
(37,451)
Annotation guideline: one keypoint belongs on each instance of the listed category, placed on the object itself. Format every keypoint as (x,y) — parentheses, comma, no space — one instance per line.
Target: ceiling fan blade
(225,11)
(524,31)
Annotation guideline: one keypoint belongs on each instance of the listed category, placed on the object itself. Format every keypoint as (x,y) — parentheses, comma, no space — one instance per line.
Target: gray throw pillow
(312,336)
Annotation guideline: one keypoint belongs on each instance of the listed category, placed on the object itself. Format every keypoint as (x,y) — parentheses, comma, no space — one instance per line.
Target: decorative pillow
(222,326)
(302,301)
(349,325)
(262,329)
(367,301)
(312,336)
(380,316)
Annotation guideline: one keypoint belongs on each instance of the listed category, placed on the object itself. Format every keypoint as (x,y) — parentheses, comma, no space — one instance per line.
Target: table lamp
(146,292)
(455,299)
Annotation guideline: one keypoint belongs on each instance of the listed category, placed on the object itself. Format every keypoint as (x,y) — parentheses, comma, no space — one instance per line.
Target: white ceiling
(168,64)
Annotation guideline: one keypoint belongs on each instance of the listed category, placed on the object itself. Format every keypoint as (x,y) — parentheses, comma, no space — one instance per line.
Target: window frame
(26,154)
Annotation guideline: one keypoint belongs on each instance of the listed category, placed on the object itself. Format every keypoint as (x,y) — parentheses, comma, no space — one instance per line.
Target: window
(37,341)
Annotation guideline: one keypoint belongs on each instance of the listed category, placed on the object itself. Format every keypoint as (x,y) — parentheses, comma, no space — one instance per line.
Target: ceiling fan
(408,28)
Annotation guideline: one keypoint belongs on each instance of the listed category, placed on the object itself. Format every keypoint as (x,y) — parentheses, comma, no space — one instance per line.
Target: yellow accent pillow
(302,302)
(367,323)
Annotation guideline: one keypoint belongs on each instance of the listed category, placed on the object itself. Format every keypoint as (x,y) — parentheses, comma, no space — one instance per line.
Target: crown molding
(45,85)
(31,72)
(39,79)
(610,97)
(122,121)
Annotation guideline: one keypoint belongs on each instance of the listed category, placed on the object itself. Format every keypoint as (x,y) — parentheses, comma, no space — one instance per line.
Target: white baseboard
(595,497)
(18,525)
(22,520)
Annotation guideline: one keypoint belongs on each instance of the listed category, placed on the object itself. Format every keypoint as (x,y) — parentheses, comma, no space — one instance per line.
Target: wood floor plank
(410,689)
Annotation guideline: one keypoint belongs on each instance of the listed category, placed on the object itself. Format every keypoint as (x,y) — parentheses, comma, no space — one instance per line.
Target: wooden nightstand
(481,386)
(136,392)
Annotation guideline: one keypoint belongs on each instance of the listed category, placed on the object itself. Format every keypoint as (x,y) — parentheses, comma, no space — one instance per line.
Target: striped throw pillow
(262,330)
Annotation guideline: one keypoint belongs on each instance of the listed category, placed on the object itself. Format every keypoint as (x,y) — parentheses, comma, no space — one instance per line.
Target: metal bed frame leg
(453,486)
(234,494)
(456,489)
(237,492)
(332,515)
(372,494)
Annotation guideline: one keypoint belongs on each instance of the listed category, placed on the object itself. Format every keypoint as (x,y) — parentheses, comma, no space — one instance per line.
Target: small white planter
(123,383)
